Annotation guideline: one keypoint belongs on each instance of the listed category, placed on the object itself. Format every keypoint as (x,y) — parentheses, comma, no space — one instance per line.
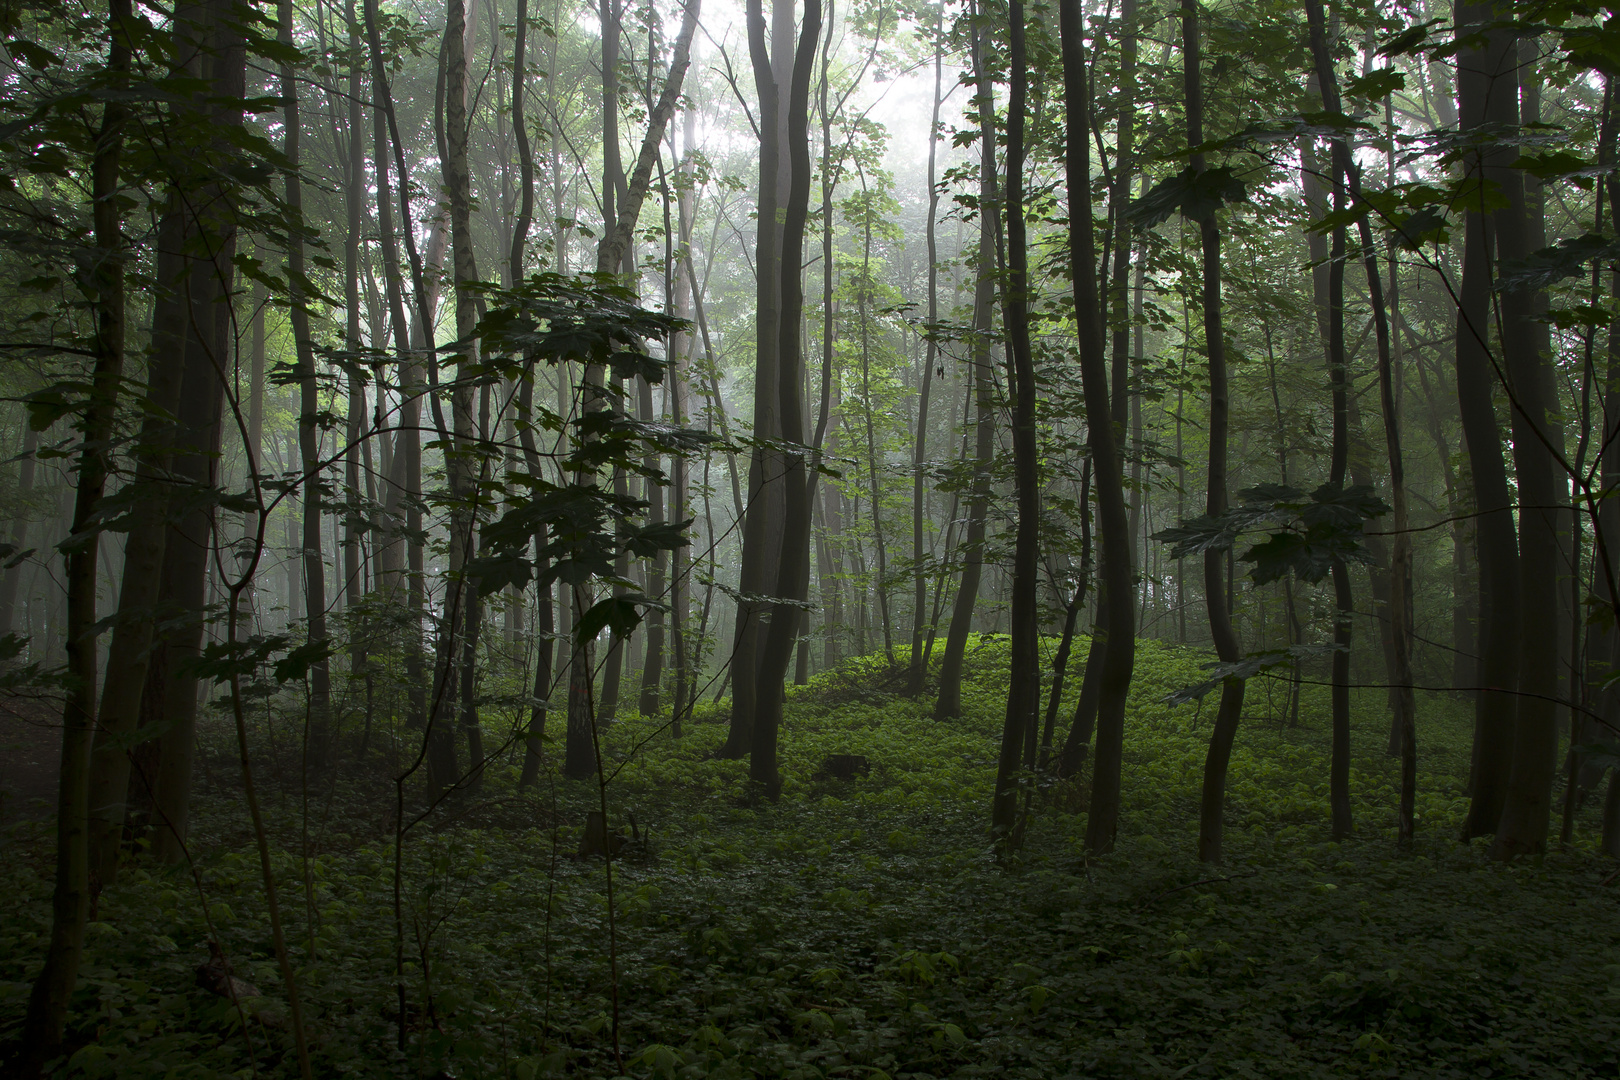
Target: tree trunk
(1500,623)
(579,758)
(187,550)
(139,596)
(313,483)
(1538,446)
(792,582)
(354,522)
(949,703)
(1346,183)
(919,578)
(70,902)
(1212,803)
(1023,691)
(1119,658)
(766,470)
(1327,289)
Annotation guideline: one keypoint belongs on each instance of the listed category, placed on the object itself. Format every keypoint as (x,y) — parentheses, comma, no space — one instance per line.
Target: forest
(887,539)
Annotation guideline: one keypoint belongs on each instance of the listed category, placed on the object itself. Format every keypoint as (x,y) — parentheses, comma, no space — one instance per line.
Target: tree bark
(948,704)
(793,576)
(1538,445)
(1500,624)
(314,485)
(1119,659)
(919,578)
(70,901)
(1212,802)
(1023,691)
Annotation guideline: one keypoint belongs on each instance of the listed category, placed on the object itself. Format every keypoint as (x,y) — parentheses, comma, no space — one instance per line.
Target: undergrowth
(865,928)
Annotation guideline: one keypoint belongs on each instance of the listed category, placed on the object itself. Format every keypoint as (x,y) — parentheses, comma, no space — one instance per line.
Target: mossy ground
(865,928)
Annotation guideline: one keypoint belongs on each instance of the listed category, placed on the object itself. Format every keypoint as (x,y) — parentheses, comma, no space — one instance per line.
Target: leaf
(1251,665)
(1565,259)
(33,54)
(1594,47)
(1194,193)
(296,664)
(1375,85)
(1196,536)
(220,660)
(47,406)
(494,573)
(1423,226)
(627,365)
(620,614)
(1560,165)
(1287,129)
(1309,555)
(1344,508)
(1411,40)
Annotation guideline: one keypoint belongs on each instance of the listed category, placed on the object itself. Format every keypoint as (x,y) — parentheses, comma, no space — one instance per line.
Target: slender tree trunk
(652,673)
(314,483)
(1327,288)
(1071,616)
(1119,658)
(919,577)
(1346,183)
(579,759)
(766,470)
(1213,800)
(70,902)
(354,522)
(949,703)
(1023,691)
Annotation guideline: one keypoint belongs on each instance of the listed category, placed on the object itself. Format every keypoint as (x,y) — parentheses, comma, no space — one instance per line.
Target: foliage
(863,927)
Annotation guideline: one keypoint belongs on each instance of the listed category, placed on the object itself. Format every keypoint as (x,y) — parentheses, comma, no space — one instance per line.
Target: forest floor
(861,928)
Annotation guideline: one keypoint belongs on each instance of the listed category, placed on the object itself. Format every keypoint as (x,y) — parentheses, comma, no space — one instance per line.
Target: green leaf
(1375,85)
(492,573)
(1251,665)
(296,664)
(1411,40)
(47,406)
(1196,536)
(1561,165)
(1565,259)
(1423,226)
(1194,193)
(620,614)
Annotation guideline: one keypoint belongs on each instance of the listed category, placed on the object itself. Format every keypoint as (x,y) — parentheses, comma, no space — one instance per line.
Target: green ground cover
(864,928)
